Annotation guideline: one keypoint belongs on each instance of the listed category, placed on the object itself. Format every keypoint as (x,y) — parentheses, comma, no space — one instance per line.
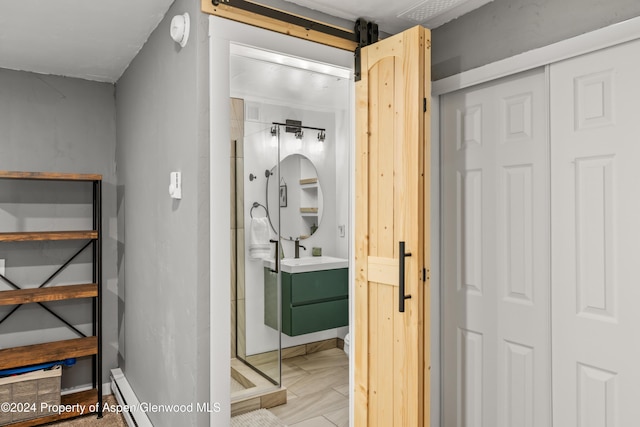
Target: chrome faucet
(298,246)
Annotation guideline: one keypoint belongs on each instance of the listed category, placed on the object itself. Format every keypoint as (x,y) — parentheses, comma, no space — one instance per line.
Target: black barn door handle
(277,257)
(402,296)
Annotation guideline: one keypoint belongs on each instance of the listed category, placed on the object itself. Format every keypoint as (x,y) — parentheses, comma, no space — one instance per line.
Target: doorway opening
(291,143)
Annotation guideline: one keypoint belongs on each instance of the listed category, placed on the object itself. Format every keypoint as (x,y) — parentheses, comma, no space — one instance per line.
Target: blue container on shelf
(31,368)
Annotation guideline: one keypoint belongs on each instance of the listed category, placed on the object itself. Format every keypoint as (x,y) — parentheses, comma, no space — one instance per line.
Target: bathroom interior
(290,230)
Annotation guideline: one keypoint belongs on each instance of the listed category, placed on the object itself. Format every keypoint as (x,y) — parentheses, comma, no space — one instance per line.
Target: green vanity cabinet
(311,301)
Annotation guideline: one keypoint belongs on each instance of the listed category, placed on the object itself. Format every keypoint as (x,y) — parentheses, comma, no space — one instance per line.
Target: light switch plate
(2,267)
(341,230)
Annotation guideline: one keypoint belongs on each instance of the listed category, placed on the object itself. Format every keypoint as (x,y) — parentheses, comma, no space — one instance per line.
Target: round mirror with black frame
(298,195)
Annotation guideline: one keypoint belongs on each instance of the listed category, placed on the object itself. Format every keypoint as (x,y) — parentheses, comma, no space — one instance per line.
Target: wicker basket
(26,394)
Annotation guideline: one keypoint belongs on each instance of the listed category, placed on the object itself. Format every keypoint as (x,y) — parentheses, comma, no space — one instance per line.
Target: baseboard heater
(125,396)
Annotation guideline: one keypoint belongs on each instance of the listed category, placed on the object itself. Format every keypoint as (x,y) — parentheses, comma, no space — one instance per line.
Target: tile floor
(317,390)
(317,393)
(236,386)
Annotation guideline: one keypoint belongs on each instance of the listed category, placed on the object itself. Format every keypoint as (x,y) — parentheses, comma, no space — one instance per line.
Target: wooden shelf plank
(50,176)
(307,181)
(53,293)
(31,236)
(48,352)
(83,399)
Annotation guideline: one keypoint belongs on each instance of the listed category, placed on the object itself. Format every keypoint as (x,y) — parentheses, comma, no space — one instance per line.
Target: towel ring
(255,205)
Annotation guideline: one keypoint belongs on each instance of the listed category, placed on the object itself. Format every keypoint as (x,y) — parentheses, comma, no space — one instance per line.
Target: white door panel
(496,339)
(595,130)
(496,247)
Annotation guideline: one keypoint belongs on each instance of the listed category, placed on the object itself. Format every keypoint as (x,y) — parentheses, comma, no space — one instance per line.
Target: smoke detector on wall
(180,29)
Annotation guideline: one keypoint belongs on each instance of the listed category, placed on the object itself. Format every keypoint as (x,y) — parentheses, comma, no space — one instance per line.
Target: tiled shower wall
(237,228)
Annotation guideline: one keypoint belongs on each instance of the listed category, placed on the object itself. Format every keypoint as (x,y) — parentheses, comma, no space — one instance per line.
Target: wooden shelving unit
(57,293)
(48,236)
(309,199)
(50,176)
(16,357)
(85,346)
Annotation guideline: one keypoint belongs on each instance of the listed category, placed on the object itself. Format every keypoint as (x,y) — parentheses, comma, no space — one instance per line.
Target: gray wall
(163,126)
(504,28)
(57,124)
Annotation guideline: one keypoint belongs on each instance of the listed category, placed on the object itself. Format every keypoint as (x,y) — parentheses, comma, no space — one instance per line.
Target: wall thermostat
(175,186)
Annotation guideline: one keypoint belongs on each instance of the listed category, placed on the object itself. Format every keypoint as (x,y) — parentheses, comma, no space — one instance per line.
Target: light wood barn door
(392,194)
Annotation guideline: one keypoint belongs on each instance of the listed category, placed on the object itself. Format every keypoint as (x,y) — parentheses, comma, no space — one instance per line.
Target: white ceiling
(89,39)
(96,40)
(394,16)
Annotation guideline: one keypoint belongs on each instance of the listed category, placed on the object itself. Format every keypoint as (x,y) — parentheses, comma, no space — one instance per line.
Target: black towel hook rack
(255,205)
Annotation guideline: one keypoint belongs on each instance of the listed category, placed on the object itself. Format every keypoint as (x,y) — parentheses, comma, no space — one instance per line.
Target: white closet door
(496,313)
(595,133)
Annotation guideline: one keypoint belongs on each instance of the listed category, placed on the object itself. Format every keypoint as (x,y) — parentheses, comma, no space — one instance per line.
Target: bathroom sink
(307,264)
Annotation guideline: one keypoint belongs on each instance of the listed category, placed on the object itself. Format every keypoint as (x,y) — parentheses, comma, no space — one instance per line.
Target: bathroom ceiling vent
(433,13)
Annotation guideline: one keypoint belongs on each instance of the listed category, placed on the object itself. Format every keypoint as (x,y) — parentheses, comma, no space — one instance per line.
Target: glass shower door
(258,283)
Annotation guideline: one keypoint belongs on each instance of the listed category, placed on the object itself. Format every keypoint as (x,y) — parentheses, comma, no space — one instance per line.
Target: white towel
(259,246)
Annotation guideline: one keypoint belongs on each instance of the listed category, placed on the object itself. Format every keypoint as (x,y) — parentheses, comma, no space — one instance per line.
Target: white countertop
(307,264)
